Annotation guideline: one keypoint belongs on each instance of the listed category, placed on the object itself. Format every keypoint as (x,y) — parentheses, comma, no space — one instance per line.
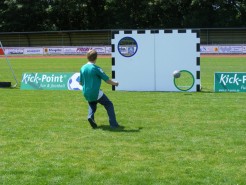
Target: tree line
(55,15)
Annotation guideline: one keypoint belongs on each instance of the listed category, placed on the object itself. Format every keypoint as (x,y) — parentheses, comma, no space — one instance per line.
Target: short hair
(92,55)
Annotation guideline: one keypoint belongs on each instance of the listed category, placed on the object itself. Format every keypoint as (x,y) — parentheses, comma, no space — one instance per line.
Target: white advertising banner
(33,51)
(223,49)
(14,51)
(53,51)
(85,49)
(106,50)
(209,49)
(77,50)
(70,51)
(244,49)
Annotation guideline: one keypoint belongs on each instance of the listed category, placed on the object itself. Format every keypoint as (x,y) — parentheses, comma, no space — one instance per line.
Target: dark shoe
(92,123)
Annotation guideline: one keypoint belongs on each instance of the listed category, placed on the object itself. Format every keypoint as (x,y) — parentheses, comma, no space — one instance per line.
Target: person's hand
(112,82)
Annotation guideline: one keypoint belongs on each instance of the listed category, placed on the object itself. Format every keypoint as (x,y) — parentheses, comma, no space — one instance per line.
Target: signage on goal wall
(230,82)
(50,81)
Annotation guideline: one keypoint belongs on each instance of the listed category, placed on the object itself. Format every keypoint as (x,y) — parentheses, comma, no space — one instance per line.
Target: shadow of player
(119,129)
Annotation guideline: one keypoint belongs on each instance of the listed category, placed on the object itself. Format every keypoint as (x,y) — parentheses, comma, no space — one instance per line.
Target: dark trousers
(108,105)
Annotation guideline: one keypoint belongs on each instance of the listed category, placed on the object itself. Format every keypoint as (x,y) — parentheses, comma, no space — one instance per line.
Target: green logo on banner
(230,82)
(50,81)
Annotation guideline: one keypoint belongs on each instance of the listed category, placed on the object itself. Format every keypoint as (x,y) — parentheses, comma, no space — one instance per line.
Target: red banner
(1,51)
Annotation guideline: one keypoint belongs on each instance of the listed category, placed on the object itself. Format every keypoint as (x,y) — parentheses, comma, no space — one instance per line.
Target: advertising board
(230,82)
(50,81)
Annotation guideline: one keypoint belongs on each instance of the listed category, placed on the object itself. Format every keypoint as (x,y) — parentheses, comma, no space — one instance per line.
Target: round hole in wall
(127,46)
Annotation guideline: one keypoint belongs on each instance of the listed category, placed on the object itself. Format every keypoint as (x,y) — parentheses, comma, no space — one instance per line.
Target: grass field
(169,138)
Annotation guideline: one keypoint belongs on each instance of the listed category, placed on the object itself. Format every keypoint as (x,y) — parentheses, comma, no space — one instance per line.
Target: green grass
(169,138)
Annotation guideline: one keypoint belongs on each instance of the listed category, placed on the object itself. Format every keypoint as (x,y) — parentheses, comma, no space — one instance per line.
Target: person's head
(92,55)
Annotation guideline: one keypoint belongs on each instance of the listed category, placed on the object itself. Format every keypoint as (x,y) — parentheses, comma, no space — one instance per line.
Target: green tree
(215,13)
(167,14)
(48,15)
(126,14)
(23,15)
(230,13)
(76,14)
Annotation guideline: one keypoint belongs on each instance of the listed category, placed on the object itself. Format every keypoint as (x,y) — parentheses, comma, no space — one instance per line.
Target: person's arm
(105,77)
(111,82)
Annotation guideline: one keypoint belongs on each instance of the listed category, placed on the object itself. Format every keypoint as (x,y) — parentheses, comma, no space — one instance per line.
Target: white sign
(77,50)
(54,50)
(33,51)
(223,49)
(209,49)
(14,51)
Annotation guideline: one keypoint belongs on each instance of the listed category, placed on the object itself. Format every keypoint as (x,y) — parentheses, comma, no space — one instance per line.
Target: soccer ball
(73,82)
(176,74)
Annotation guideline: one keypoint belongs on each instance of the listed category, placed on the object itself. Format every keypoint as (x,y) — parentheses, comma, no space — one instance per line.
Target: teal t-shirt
(90,79)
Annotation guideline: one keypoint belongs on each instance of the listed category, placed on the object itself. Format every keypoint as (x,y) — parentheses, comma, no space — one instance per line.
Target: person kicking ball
(90,79)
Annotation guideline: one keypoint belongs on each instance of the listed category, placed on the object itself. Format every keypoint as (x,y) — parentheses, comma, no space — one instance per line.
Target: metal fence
(103,37)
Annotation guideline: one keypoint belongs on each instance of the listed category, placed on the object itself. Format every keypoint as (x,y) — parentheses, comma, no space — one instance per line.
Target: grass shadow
(119,129)
(206,91)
